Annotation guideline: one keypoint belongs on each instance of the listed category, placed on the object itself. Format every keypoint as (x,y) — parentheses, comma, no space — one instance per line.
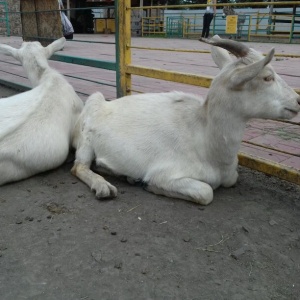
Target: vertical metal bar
(123,53)
(249,27)
(127,44)
(117,47)
(7,19)
(292,29)
(270,19)
(274,23)
(68,9)
(257,24)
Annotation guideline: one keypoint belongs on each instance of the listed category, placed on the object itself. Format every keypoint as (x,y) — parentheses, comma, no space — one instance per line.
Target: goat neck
(225,126)
(36,70)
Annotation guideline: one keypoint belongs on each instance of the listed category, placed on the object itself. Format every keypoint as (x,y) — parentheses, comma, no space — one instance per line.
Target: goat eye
(269,78)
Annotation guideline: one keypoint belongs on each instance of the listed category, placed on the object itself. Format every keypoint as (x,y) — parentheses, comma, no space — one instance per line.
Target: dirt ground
(58,242)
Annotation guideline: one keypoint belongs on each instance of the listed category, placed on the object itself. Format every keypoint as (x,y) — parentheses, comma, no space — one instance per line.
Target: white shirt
(209,7)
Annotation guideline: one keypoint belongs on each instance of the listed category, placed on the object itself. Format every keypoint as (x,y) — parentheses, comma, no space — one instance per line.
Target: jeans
(207,18)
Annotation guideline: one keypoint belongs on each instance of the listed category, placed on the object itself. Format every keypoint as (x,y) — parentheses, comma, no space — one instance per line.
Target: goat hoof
(105,191)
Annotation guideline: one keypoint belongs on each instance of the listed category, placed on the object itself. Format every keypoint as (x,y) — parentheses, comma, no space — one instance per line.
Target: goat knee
(206,197)
(184,188)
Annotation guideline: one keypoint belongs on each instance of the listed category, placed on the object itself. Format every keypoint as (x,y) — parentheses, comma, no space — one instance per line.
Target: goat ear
(55,46)
(244,74)
(8,50)
(220,56)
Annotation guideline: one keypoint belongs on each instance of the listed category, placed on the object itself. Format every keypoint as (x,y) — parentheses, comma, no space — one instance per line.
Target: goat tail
(93,103)
(96,97)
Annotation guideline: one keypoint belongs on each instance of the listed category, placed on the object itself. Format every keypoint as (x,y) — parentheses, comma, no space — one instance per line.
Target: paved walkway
(282,137)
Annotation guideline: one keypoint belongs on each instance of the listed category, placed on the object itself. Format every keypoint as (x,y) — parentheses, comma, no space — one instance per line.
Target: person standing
(208,16)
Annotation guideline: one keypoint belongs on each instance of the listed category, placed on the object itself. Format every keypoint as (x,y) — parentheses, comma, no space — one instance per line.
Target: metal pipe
(68,8)
(243,4)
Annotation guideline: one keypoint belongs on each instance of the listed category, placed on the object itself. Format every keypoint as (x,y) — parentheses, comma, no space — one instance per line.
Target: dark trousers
(207,18)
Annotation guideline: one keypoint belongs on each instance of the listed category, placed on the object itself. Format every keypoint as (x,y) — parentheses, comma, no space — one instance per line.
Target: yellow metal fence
(284,26)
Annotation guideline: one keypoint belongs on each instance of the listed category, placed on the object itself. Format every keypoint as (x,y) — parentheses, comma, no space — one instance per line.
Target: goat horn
(236,48)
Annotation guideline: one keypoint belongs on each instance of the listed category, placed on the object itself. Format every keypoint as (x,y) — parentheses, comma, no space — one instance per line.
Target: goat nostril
(298,100)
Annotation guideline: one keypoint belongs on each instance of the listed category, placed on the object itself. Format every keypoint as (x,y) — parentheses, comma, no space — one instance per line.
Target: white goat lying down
(36,127)
(178,144)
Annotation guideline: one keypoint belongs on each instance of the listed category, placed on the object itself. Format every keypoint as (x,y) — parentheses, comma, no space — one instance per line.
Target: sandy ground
(58,242)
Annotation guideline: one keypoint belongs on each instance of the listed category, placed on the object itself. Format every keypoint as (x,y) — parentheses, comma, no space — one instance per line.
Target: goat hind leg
(184,188)
(81,169)
(13,171)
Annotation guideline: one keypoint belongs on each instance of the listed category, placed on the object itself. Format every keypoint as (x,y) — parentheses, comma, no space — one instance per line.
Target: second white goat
(36,127)
(179,144)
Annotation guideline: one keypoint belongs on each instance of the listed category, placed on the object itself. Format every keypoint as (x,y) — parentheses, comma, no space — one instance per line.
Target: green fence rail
(4,18)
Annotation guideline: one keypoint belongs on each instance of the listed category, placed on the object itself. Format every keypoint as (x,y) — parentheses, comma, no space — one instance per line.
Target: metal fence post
(292,29)
(249,28)
(6,18)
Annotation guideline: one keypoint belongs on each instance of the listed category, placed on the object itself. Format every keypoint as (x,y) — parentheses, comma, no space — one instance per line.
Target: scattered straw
(250,270)
(209,248)
(131,209)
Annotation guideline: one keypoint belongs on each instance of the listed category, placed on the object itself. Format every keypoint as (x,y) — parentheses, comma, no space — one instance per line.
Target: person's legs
(208,21)
(205,24)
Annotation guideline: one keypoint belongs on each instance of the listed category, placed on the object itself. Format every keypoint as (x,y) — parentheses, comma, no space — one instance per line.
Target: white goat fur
(178,144)
(36,127)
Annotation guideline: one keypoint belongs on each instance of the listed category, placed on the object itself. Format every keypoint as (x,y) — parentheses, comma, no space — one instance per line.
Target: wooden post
(123,40)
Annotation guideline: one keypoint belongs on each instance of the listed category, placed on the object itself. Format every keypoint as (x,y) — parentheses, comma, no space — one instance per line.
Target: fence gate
(175,26)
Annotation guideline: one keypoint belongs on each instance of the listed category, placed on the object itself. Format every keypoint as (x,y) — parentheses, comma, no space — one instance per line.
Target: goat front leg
(184,188)
(230,179)
(97,183)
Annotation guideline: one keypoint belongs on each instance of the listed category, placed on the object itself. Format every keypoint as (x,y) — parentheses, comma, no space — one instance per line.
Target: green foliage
(175,2)
(195,1)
